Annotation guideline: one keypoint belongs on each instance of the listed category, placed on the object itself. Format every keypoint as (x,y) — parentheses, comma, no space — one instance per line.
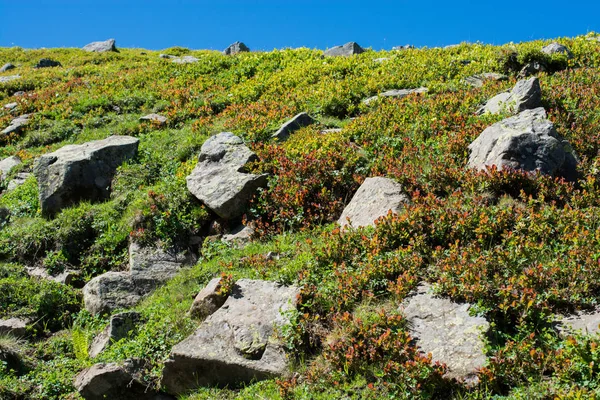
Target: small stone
(18,180)
(185,60)
(16,125)
(240,236)
(11,106)
(584,322)
(299,121)
(161,120)
(111,381)
(331,130)
(208,300)
(166,56)
(7,165)
(47,63)
(557,48)
(397,94)
(479,80)
(13,326)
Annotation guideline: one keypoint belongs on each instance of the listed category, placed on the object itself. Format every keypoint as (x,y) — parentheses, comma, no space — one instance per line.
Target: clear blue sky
(265,25)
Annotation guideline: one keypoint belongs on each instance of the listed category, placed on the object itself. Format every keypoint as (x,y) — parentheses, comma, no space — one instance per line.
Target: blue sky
(265,25)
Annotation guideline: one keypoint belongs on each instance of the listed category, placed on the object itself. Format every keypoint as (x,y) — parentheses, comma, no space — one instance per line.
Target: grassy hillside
(521,248)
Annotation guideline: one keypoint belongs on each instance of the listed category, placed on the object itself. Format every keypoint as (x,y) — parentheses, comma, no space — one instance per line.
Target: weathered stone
(19,93)
(236,344)
(331,130)
(85,171)
(532,68)
(4,79)
(101,47)
(380,59)
(111,381)
(185,60)
(110,291)
(447,331)
(18,180)
(157,118)
(240,236)
(120,327)
(527,141)
(349,49)
(236,48)
(220,180)
(7,67)
(208,300)
(299,121)
(374,199)
(557,48)
(7,165)
(405,47)
(13,326)
(526,95)
(585,322)
(11,106)
(398,94)
(67,277)
(47,63)
(17,124)
(480,79)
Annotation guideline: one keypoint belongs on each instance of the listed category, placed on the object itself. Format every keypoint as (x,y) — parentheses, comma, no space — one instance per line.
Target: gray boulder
(236,48)
(85,171)
(157,118)
(480,79)
(101,47)
(532,68)
(149,268)
(349,49)
(120,327)
(11,106)
(584,322)
(527,141)
(208,300)
(405,47)
(7,165)
(47,63)
(447,331)
(16,125)
(239,236)
(220,180)
(4,79)
(18,180)
(13,326)
(67,277)
(7,67)
(525,95)
(237,344)
(397,94)
(557,48)
(374,199)
(300,121)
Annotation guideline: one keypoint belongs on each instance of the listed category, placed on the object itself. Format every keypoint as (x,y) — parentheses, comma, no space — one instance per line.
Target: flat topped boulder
(237,344)
(299,121)
(346,50)
(447,331)
(156,118)
(528,142)
(479,79)
(101,47)
(185,60)
(84,171)
(586,322)
(120,327)
(374,199)
(557,48)
(16,125)
(525,95)
(236,48)
(4,79)
(220,179)
(396,93)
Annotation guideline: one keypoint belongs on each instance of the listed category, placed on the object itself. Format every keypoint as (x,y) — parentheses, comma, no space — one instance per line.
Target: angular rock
(85,171)
(526,95)
(47,63)
(405,47)
(380,60)
(236,344)
(120,327)
(14,326)
(240,236)
(236,48)
(479,80)
(11,106)
(159,119)
(349,49)
(447,331)
(149,268)
(185,60)
(101,47)
(18,180)
(4,79)
(585,322)
(220,180)
(557,48)
(19,93)
(528,142)
(67,277)
(16,125)
(374,199)
(532,68)
(208,300)
(7,67)
(299,121)
(398,94)
(7,165)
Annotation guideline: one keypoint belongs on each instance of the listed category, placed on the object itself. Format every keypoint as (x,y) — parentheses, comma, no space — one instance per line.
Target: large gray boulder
(156,118)
(149,268)
(7,67)
(528,142)
(235,345)
(16,125)
(18,180)
(447,331)
(374,199)
(557,48)
(85,171)
(120,327)
(480,79)
(236,48)
(349,49)
(396,93)
(220,180)
(299,121)
(101,47)
(525,95)
(7,165)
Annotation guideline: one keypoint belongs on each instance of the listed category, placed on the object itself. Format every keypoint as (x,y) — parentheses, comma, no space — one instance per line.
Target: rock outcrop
(101,47)
(7,165)
(480,79)
(557,48)
(299,121)
(397,94)
(527,141)
(16,125)
(120,327)
(236,48)
(220,180)
(447,331)
(239,236)
(85,171)
(47,63)
(525,95)
(18,180)
(346,50)
(374,199)
(236,344)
